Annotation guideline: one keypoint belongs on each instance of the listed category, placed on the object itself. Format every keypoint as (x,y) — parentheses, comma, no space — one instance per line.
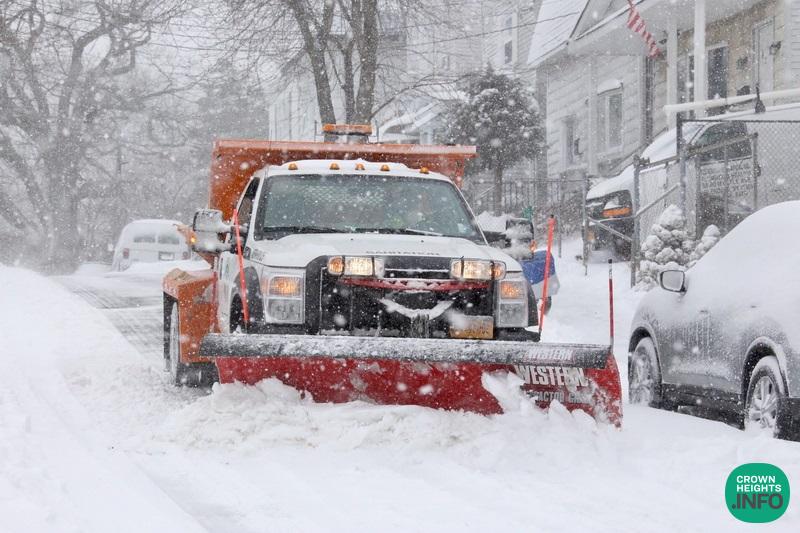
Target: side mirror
(207,226)
(519,229)
(209,221)
(673,280)
(494,236)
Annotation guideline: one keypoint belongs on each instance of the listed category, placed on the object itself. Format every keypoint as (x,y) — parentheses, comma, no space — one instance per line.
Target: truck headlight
(283,298)
(476,269)
(356,266)
(511,310)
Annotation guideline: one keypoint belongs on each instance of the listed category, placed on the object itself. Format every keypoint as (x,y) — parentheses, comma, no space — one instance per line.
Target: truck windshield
(363,204)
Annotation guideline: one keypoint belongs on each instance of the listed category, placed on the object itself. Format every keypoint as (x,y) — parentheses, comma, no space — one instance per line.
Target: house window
(609,120)
(508,38)
(571,148)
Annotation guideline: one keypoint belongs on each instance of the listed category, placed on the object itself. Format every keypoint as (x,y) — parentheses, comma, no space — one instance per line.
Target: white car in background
(149,241)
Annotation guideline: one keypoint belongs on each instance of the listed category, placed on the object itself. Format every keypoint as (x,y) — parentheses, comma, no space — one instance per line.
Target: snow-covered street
(84,371)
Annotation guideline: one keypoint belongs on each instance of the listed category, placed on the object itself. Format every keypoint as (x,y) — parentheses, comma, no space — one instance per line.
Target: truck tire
(765,389)
(181,374)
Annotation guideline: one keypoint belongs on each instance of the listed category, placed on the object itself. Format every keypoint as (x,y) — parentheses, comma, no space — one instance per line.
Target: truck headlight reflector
(512,315)
(477,269)
(285,310)
(285,286)
(512,302)
(512,290)
(284,298)
(336,265)
(356,266)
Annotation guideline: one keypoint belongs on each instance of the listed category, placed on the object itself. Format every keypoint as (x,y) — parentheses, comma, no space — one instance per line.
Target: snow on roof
(608,85)
(556,22)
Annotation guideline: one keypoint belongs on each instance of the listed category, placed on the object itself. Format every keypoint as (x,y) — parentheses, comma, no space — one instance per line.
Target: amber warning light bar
(348,129)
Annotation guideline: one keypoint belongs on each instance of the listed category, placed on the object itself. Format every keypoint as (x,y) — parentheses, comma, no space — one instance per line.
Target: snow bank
(86,412)
(57,473)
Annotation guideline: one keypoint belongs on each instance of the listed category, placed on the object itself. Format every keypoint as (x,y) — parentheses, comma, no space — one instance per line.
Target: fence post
(756,171)
(698,203)
(584,192)
(636,215)
(561,209)
(681,161)
(726,195)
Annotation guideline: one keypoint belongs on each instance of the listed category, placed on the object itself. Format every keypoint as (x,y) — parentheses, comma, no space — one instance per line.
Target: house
(595,100)
(745,44)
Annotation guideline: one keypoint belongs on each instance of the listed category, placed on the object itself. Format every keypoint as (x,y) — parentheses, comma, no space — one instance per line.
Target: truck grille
(411,267)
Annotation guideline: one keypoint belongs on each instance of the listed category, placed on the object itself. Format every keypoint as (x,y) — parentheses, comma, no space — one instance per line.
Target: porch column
(592,122)
(672,67)
(700,77)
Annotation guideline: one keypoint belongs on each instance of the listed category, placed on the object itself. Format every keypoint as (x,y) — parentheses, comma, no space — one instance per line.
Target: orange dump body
(235,161)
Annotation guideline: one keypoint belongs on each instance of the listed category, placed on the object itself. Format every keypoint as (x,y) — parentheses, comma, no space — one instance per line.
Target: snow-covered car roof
(348,168)
(163,223)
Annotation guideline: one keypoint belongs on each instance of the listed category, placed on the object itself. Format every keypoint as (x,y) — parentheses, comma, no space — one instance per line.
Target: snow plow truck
(356,270)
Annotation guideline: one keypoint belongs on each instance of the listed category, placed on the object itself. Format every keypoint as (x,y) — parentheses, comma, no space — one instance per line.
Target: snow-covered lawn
(94,439)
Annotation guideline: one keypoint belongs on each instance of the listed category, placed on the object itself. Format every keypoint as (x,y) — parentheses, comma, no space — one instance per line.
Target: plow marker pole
(242,284)
(551,223)
(610,305)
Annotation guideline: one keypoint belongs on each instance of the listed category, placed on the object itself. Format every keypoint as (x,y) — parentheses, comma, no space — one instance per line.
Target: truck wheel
(765,389)
(644,375)
(181,374)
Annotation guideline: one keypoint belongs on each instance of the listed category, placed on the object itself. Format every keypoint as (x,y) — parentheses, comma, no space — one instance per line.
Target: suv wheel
(766,388)
(644,375)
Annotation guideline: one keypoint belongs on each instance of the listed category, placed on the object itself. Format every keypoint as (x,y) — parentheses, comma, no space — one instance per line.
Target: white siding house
(594,100)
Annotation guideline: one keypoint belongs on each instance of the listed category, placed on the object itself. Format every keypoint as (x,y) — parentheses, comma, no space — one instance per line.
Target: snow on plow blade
(439,373)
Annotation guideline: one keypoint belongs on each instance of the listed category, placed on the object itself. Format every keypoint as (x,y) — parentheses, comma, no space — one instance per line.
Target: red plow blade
(438,373)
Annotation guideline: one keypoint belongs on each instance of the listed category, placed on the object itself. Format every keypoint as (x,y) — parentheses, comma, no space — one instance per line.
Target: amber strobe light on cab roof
(347,129)
(292,166)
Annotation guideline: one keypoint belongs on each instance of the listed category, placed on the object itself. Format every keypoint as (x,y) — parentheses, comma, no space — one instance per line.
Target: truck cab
(351,247)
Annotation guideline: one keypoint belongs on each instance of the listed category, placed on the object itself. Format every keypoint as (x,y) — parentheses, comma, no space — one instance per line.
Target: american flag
(637,25)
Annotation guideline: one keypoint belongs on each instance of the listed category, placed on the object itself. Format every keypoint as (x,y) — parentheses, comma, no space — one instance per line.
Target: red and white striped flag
(637,25)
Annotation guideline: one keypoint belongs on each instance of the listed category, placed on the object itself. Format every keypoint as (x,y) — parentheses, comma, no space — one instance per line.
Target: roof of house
(556,22)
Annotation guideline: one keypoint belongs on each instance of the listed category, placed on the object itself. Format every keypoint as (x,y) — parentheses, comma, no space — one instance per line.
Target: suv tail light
(126,253)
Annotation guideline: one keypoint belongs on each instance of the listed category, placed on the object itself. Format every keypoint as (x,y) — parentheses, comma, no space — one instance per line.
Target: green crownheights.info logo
(757,492)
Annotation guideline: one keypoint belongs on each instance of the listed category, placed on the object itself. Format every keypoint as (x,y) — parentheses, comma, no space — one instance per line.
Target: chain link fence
(722,170)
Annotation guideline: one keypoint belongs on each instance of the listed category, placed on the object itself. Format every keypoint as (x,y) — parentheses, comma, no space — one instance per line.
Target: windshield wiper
(398,231)
(303,229)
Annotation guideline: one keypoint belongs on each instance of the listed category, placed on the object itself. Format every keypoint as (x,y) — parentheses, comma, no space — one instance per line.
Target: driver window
(246,205)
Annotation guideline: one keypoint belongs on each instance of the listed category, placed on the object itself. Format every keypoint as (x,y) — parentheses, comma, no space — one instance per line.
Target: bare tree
(67,84)
(352,46)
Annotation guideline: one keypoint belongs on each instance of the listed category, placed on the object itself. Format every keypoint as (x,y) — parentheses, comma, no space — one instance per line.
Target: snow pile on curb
(57,472)
(250,419)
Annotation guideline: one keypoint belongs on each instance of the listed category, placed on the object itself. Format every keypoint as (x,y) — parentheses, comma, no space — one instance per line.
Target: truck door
(229,262)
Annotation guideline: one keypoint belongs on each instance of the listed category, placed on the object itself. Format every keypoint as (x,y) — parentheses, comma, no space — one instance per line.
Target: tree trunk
(63,242)
(498,189)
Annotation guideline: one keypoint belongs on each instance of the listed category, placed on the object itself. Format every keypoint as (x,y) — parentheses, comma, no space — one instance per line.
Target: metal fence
(725,169)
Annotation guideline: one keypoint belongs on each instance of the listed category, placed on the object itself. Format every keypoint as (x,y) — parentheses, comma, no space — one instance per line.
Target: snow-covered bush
(667,247)
(710,237)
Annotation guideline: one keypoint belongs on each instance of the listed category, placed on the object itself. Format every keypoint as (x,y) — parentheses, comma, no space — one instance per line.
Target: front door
(763,37)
